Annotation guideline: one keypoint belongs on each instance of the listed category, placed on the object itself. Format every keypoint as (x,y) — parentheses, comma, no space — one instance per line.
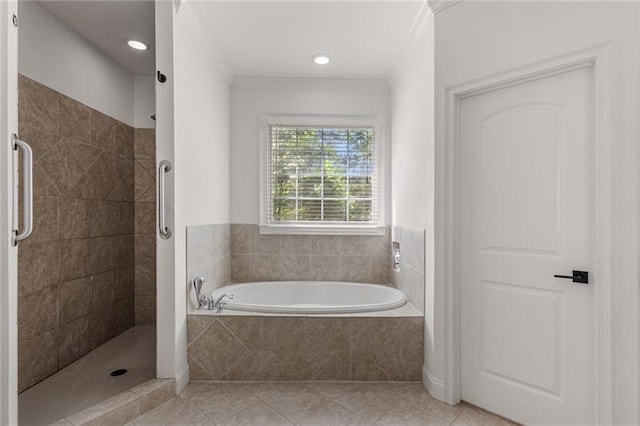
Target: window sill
(321,230)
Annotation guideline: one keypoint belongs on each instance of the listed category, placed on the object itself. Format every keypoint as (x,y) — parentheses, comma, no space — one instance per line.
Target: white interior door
(8,253)
(527,214)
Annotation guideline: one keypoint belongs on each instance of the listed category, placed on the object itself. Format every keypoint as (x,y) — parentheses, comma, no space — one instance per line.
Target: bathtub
(311,297)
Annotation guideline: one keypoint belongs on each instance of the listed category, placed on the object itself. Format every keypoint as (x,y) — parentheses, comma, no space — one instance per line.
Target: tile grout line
(244,355)
(372,422)
(459,414)
(200,410)
(285,416)
(350,349)
(282,414)
(233,334)
(201,333)
(264,400)
(245,409)
(396,405)
(175,398)
(334,400)
(201,366)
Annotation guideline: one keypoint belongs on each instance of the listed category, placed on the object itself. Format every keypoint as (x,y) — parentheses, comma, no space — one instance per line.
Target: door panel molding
(494,329)
(551,245)
(597,58)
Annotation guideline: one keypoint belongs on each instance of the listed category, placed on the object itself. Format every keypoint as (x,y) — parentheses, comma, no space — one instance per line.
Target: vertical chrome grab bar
(27,190)
(165,231)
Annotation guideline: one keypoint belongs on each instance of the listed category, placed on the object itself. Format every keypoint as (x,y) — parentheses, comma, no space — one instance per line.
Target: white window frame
(319,120)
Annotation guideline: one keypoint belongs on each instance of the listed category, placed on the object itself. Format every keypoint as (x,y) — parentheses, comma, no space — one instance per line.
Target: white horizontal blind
(322,175)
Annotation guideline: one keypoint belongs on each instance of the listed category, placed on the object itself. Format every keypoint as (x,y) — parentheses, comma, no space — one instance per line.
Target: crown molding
(311,83)
(193,23)
(438,6)
(423,20)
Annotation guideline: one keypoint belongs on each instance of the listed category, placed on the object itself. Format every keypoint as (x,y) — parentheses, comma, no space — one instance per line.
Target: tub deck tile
(239,348)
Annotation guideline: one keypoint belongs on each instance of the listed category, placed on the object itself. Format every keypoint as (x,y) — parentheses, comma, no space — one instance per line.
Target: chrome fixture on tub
(217,304)
(202,299)
(396,256)
(209,303)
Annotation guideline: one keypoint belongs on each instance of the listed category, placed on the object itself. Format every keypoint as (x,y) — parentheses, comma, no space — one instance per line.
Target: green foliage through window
(322,175)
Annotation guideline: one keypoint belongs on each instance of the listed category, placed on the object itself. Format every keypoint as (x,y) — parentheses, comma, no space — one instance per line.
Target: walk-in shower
(86,274)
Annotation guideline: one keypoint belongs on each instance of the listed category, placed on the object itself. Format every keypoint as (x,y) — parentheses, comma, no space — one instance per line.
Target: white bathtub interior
(312,297)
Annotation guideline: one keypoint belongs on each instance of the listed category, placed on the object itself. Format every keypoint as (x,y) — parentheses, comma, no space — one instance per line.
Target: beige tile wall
(208,256)
(256,257)
(76,271)
(145,225)
(301,348)
(410,278)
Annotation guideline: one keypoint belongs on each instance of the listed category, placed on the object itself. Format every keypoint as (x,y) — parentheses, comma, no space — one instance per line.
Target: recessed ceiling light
(321,59)
(137,44)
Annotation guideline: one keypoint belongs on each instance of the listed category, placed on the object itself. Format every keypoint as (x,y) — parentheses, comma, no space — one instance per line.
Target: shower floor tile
(87,381)
(334,403)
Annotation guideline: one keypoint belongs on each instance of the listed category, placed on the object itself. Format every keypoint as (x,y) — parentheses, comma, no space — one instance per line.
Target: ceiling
(261,38)
(364,39)
(106,23)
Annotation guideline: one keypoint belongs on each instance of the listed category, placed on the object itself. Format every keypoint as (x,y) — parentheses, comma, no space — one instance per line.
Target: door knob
(581,277)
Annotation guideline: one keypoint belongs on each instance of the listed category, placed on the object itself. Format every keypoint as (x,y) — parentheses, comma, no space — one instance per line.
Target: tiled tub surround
(209,256)
(288,348)
(410,277)
(256,257)
(145,225)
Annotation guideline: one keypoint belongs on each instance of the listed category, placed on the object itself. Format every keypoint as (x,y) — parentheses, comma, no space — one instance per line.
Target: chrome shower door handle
(27,190)
(165,231)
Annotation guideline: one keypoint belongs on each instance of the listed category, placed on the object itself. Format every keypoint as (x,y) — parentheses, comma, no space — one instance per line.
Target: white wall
(249,98)
(169,355)
(192,133)
(412,166)
(412,137)
(53,54)
(476,39)
(144,102)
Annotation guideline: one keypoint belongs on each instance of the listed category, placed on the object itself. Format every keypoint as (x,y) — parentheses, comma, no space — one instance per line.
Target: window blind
(319,175)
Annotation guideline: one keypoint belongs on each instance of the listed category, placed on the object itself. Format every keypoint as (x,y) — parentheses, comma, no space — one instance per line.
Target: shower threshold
(88,380)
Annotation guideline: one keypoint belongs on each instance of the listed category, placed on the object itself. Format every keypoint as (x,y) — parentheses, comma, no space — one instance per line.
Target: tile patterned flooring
(312,403)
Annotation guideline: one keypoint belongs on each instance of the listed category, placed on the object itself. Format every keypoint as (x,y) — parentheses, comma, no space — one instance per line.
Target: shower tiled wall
(410,278)
(256,257)
(208,256)
(76,271)
(145,225)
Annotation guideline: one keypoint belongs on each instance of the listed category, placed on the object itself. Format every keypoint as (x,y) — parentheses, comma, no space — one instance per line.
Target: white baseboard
(434,385)
(182,379)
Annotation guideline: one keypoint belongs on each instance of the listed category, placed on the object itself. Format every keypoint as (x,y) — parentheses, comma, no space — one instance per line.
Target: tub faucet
(202,299)
(216,304)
